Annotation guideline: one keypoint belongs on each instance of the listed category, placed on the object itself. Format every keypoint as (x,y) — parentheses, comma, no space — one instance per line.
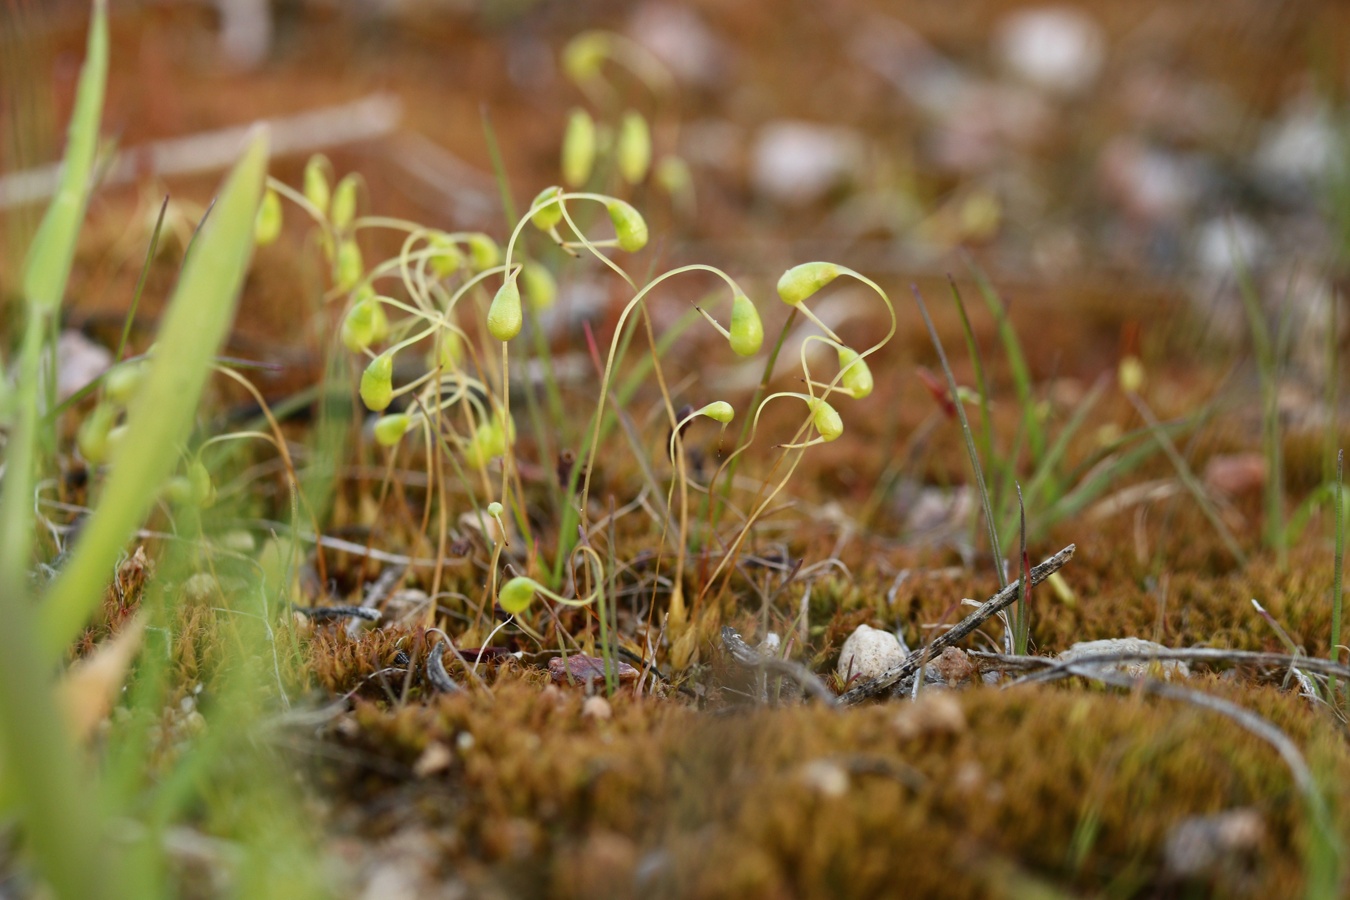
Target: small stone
(1150,184)
(1209,845)
(1235,474)
(1226,245)
(868,653)
(1298,149)
(797,163)
(678,36)
(936,712)
(584,669)
(435,758)
(597,708)
(954,666)
(1132,668)
(78,362)
(824,777)
(1058,49)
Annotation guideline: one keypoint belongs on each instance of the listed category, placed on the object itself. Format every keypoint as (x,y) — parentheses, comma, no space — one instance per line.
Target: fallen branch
(989,608)
(742,654)
(436,674)
(1049,669)
(1244,718)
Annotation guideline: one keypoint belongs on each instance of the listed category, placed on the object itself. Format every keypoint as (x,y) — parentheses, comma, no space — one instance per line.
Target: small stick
(991,607)
(1052,669)
(436,674)
(329,613)
(376,592)
(1245,719)
(741,654)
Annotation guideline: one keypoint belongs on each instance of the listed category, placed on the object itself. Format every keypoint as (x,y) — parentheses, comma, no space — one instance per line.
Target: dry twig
(991,607)
(743,655)
(1043,669)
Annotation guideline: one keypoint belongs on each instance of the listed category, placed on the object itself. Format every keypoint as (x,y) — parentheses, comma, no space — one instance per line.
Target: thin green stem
(974,455)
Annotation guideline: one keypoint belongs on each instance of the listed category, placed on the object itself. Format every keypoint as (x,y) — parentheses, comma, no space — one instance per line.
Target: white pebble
(868,653)
(1056,48)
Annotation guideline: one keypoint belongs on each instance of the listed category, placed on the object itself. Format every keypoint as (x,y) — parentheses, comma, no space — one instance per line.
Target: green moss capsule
(578,149)
(357,331)
(747,329)
(377,383)
(505,318)
(349,267)
(857,377)
(483,252)
(389,430)
(92,437)
(634,147)
(122,382)
(546,217)
(445,258)
(203,488)
(267,225)
(343,211)
(584,54)
(826,420)
(541,290)
(629,226)
(719,411)
(800,282)
(316,187)
(516,595)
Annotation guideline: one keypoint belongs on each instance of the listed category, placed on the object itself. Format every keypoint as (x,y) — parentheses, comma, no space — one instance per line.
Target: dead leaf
(90,687)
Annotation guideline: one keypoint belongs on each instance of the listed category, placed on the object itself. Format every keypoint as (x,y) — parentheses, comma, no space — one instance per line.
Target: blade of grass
(623,393)
(717,504)
(43,768)
(1338,573)
(45,274)
(1016,359)
(1188,479)
(989,521)
(973,349)
(161,414)
(1057,450)
(1022,633)
(140,282)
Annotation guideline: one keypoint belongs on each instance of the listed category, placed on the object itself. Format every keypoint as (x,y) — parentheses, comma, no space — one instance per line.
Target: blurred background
(1123,160)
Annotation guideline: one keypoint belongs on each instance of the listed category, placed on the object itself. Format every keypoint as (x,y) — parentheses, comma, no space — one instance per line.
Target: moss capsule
(377,383)
(800,282)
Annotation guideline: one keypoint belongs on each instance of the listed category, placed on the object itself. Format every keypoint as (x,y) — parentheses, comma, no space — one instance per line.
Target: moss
(710,806)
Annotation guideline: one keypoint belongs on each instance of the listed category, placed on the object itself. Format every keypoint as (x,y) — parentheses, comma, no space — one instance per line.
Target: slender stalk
(989,522)
(1338,573)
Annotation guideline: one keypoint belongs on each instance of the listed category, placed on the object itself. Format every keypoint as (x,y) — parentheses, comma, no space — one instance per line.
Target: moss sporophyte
(465,299)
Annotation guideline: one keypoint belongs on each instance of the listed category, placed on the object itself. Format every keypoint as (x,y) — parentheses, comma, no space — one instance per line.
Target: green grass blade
(140,282)
(47,267)
(989,520)
(46,271)
(1188,479)
(1041,478)
(43,769)
(161,415)
(981,384)
(1337,582)
(1017,361)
